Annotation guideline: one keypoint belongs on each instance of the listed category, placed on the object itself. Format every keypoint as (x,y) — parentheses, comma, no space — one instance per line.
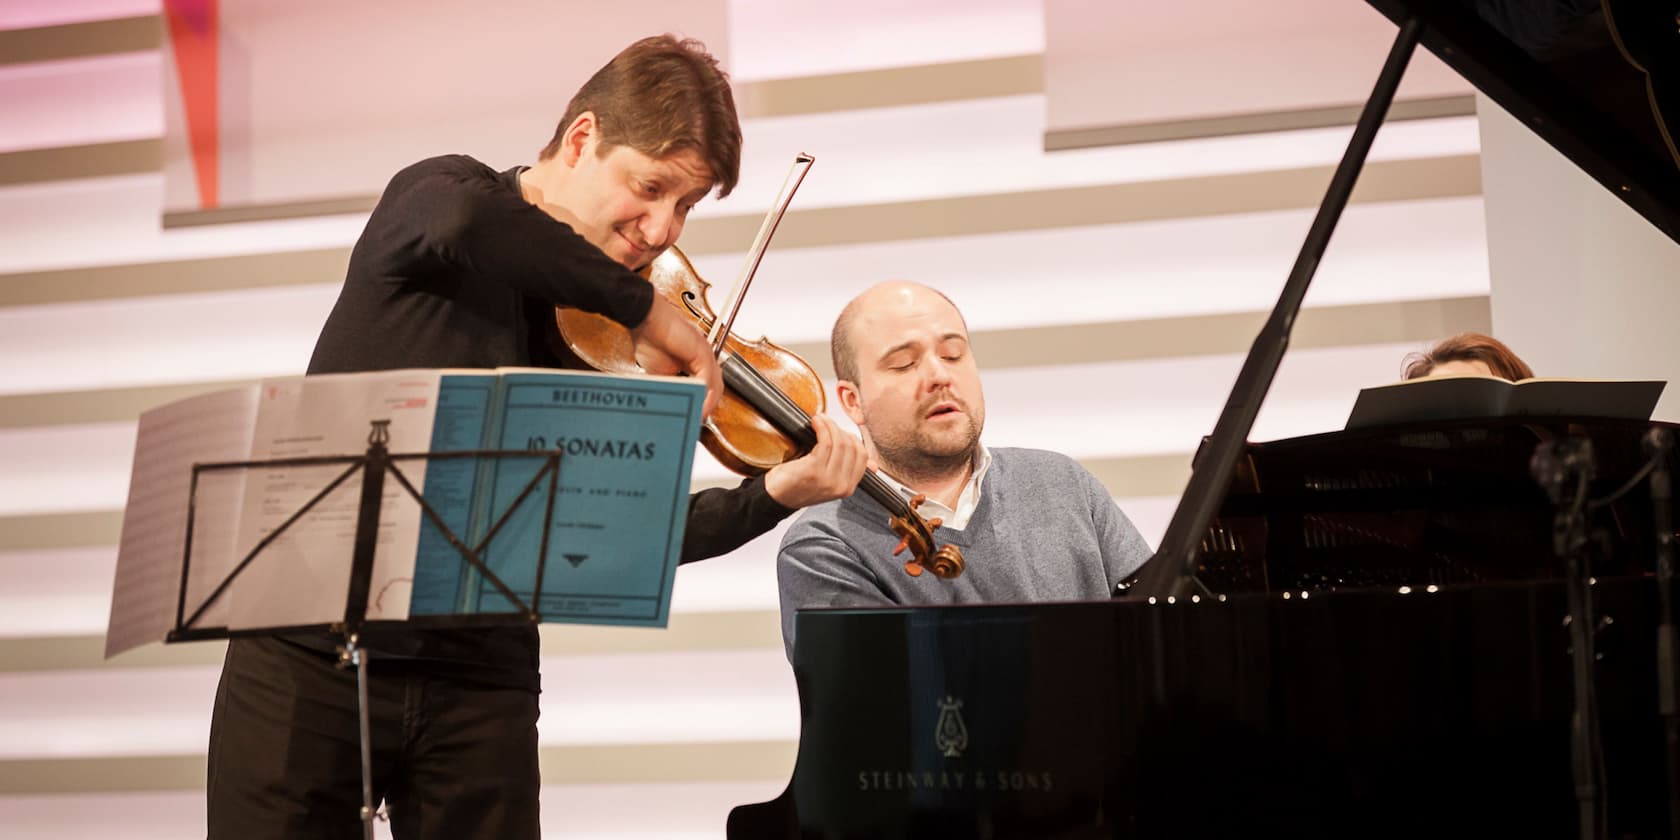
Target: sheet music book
(627,451)
(1464,397)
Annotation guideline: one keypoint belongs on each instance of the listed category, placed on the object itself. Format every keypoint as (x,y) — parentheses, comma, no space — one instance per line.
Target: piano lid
(1599,80)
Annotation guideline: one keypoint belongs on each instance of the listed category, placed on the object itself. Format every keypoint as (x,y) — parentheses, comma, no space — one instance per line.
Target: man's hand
(831,470)
(668,343)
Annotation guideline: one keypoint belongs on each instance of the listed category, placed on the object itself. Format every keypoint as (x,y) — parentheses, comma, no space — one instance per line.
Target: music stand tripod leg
(354,655)
(378,460)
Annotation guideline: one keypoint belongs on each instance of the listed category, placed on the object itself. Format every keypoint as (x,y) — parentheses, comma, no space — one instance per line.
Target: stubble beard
(923,458)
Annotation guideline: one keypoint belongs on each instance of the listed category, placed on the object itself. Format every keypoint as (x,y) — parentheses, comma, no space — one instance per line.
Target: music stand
(373,465)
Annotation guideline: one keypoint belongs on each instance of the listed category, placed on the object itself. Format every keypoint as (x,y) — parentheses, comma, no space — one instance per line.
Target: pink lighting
(28,14)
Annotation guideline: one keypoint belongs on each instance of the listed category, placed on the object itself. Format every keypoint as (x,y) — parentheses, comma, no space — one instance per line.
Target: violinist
(462,266)
(1033,525)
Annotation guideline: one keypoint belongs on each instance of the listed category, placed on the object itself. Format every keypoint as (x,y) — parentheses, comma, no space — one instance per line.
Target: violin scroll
(916,534)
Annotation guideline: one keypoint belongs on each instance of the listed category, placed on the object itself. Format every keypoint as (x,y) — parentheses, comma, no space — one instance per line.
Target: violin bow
(914,532)
(738,293)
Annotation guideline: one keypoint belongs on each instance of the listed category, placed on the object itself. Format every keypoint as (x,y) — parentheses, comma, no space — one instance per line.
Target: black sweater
(457,269)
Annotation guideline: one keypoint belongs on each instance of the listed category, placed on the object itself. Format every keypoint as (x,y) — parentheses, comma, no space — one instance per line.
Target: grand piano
(1366,633)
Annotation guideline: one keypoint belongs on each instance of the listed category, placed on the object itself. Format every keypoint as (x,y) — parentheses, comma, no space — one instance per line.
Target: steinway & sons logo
(950,735)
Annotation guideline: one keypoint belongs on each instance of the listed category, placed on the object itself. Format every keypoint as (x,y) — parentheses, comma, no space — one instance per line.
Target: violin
(770,393)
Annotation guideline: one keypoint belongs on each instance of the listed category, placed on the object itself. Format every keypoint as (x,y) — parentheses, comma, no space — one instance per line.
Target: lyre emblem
(951,736)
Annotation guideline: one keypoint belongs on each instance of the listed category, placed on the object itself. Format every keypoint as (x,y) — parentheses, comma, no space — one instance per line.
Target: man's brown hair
(659,96)
(1470,347)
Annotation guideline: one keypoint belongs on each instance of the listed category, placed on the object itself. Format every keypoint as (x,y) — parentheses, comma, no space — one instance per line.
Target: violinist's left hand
(831,470)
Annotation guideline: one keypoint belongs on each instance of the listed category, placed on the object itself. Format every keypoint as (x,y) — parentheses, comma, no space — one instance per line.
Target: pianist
(1032,525)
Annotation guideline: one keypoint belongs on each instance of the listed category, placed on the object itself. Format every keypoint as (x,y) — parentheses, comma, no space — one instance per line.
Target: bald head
(889,299)
(909,382)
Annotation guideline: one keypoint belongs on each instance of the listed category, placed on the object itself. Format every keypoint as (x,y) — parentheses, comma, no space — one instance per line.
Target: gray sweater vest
(1045,530)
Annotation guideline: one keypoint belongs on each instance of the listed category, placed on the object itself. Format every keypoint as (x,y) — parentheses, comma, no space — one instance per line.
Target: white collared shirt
(967,501)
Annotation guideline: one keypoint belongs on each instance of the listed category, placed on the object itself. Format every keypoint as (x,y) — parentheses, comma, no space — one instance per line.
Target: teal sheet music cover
(463,414)
(626,447)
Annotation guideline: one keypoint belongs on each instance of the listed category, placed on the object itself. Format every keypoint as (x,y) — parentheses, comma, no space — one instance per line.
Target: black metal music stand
(374,465)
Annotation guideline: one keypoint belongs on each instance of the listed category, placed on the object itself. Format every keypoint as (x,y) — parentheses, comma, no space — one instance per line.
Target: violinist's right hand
(667,343)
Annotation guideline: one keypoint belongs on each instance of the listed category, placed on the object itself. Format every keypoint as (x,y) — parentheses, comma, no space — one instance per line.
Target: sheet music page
(202,429)
(303,577)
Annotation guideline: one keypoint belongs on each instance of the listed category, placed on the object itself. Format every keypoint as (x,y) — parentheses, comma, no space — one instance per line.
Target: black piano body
(1382,652)
(1447,502)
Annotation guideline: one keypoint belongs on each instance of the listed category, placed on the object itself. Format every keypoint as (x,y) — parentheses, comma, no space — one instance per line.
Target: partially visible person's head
(1467,353)
(906,375)
(644,140)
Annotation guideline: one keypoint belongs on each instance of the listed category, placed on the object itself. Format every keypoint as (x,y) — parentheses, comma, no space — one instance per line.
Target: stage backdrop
(284,108)
(1166,71)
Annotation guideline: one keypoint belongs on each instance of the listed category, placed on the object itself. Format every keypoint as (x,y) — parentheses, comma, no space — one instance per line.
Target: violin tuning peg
(902,544)
(935,523)
(912,568)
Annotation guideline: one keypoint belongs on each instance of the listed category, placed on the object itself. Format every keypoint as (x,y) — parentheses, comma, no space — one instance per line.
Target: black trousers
(451,758)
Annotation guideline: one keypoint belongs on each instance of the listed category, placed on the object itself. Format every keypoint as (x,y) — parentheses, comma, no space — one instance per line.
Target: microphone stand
(1565,469)
(1657,445)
